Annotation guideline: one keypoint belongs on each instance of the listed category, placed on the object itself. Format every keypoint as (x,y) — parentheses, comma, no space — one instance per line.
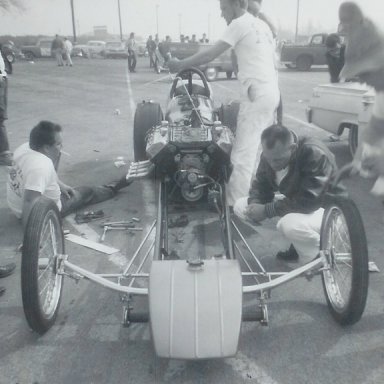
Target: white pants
(254,116)
(300,229)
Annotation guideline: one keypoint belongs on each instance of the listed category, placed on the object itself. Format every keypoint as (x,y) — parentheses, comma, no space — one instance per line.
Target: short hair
(243,3)
(43,134)
(276,132)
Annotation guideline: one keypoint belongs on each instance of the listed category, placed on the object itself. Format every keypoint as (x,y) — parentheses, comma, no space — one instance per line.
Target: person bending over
(300,169)
(34,174)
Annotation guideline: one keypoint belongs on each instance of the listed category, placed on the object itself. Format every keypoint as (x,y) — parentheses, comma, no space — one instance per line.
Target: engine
(193,156)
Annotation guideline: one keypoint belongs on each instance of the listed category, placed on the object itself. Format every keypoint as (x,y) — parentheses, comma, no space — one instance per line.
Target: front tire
(147,116)
(41,284)
(345,276)
(304,63)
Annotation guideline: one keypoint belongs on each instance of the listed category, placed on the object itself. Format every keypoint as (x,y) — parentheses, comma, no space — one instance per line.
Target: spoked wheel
(345,276)
(41,285)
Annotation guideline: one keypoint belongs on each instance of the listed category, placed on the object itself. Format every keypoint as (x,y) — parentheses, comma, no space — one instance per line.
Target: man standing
(253,43)
(132,60)
(34,174)
(57,49)
(67,51)
(5,154)
(364,59)
(151,47)
(301,170)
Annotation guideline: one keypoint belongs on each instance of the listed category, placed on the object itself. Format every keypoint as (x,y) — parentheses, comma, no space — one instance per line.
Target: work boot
(6,270)
(6,158)
(289,255)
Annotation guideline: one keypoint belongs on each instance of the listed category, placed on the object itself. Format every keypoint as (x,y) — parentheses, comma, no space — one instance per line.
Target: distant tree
(8,4)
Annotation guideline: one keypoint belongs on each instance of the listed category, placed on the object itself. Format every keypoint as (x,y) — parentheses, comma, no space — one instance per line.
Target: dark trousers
(85,196)
(132,60)
(4,144)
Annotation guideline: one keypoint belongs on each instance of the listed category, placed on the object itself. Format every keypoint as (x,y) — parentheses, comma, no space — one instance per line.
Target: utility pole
(179,24)
(121,30)
(297,20)
(157,19)
(73,21)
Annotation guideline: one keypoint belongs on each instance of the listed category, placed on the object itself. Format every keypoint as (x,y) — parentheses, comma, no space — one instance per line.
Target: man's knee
(290,226)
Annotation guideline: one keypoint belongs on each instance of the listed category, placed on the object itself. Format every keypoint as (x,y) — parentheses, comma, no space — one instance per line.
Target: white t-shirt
(253,43)
(32,171)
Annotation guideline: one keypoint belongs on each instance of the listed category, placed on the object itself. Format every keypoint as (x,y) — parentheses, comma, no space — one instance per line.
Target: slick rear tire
(228,115)
(147,116)
(41,284)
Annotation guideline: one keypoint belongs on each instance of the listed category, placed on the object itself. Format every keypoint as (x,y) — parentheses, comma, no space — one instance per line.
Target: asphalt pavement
(94,101)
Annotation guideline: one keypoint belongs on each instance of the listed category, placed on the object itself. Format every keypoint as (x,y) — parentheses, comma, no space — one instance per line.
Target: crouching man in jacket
(300,169)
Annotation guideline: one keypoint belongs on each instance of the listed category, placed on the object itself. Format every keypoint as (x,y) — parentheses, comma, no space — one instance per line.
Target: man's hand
(174,65)
(66,190)
(255,212)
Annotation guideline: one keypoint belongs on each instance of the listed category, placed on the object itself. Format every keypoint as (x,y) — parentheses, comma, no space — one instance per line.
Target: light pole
(297,20)
(157,19)
(179,24)
(121,30)
(73,21)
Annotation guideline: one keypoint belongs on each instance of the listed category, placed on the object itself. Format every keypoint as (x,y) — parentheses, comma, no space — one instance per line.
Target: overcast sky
(186,16)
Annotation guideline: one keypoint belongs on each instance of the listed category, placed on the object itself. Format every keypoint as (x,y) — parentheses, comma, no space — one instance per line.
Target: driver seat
(197,90)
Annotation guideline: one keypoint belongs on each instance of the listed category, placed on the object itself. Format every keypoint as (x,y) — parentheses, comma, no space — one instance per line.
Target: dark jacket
(311,168)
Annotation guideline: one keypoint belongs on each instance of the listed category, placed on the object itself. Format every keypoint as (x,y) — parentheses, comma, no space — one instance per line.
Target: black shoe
(6,270)
(117,185)
(288,255)
(2,290)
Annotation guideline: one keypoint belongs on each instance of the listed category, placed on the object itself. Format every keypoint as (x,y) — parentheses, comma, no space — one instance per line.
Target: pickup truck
(340,106)
(41,49)
(222,63)
(303,56)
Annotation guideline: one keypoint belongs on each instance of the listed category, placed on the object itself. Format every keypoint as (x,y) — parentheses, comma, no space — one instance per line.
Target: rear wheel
(304,63)
(228,115)
(229,74)
(353,139)
(41,284)
(345,276)
(147,116)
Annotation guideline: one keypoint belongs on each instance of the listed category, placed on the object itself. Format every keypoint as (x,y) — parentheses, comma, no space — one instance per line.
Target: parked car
(80,50)
(96,47)
(41,49)
(303,56)
(115,50)
(142,50)
(222,63)
(340,106)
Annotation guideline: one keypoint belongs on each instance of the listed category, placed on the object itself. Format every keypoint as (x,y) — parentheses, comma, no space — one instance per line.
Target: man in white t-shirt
(34,174)
(253,44)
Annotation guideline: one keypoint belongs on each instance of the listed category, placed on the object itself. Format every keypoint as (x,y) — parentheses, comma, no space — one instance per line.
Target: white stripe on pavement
(132,103)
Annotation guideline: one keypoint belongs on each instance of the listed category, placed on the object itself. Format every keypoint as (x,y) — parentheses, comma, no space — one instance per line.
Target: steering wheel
(186,74)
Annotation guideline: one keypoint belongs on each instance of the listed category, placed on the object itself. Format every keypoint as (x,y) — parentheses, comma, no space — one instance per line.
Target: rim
(49,281)
(337,248)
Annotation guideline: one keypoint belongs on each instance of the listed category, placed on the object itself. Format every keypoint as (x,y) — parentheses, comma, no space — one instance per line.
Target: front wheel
(345,275)
(41,284)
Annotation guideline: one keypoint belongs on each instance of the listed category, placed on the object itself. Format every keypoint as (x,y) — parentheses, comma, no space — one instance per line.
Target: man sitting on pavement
(34,174)
(300,169)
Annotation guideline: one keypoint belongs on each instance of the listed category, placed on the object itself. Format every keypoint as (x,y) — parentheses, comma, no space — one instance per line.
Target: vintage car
(195,301)
(341,106)
(115,50)
(41,49)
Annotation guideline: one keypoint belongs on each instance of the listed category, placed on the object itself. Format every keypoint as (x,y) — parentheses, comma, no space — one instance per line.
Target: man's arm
(29,199)
(199,58)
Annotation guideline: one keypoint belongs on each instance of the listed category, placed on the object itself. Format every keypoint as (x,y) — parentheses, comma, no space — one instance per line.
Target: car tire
(147,115)
(353,139)
(211,73)
(228,115)
(229,74)
(304,63)
(29,56)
